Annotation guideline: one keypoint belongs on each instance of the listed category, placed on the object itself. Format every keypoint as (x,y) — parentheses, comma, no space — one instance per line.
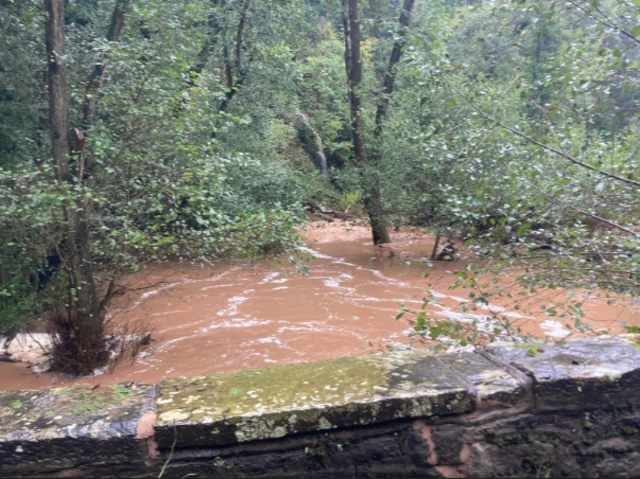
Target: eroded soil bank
(239,316)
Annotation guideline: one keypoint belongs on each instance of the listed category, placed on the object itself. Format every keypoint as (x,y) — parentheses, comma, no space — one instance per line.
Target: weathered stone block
(493,384)
(274,402)
(583,374)
(405,414)
(448,441)
(45,431)
(392,449)
(561,444)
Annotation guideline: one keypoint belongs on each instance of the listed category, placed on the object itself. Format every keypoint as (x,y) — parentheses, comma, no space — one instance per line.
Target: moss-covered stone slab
(277,401)
(581,374)
(69,427)
(493,384)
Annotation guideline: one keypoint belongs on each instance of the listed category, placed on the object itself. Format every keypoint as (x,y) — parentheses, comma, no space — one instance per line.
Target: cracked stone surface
(273,402)
(62,428)
(580,374)
(492,383)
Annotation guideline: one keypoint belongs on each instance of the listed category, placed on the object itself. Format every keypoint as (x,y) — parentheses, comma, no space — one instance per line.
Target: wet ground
(239,315)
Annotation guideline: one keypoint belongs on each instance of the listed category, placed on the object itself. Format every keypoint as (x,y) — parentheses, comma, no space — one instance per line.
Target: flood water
(242,315)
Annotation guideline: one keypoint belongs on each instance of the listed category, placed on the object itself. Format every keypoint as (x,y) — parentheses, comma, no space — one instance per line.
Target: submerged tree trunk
(353,63)
(79,330)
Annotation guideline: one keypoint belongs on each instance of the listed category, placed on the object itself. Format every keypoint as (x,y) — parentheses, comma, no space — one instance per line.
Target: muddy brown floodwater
(247,315)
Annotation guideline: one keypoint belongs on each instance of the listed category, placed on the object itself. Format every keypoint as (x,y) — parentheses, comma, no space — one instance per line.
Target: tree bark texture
(353,63)
(58,88)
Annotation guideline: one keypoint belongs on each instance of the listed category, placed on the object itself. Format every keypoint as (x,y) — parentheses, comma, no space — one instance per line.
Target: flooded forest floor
(242,315)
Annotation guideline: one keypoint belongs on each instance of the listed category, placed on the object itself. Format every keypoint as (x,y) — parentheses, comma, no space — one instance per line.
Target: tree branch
(390,74)
(235,79)
(95,81)
(586,213)
(552,149)
(606,21)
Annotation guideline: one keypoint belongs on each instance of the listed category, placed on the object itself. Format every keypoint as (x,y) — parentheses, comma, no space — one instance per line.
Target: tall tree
(80,329)
(353,61)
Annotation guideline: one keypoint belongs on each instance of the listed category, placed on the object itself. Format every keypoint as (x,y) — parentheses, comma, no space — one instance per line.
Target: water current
(240,315)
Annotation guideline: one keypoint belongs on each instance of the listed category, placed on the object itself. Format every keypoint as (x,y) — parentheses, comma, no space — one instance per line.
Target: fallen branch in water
(6,358)
(314,207)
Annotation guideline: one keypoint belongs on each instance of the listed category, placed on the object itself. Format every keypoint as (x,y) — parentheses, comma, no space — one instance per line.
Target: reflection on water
(240,316)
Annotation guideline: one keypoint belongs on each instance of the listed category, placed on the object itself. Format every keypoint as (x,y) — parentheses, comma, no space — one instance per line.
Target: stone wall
(561,410)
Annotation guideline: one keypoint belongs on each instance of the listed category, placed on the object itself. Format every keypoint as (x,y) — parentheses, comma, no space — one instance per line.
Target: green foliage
(350,201)
(478,319)
(160,186)
(183,166)
(554,78)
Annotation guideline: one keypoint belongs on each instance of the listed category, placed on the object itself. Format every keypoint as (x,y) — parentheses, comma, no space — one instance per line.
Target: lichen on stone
(275,401)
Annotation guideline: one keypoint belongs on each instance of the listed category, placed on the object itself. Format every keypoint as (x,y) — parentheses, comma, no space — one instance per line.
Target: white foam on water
(314,253)
(267,340)
(33,349)
(492,308)
(554,329)
(216,286)
(167,313)
(370,299)
(343,262)
(335,281)
(234,323)
(316,326)
(269,278)
(234,302)
(153,292)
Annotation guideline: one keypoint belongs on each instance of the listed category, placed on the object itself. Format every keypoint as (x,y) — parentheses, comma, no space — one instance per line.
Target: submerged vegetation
(136,132)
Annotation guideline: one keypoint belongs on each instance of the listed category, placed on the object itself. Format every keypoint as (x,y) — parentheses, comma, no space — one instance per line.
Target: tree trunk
(95,82)
(58,88)
(353,63)
(383,102)
(234,69)
(436,245)
(390,74)
(80,346)
(207,49)
(320,155)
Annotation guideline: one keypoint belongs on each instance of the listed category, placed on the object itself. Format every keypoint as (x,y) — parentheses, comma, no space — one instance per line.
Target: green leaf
(16,405)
